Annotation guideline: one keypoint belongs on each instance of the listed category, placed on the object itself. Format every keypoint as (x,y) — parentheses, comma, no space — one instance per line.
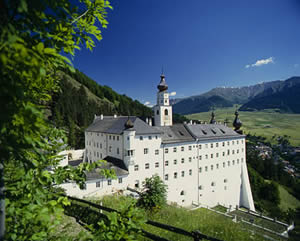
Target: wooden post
(2,202)
(196,235)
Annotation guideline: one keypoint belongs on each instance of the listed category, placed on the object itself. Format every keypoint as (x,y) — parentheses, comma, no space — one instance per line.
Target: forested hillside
(80,98)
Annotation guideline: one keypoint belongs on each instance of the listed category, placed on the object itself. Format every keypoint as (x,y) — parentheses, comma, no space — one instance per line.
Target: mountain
(284,97)
(73,107)
(228,96)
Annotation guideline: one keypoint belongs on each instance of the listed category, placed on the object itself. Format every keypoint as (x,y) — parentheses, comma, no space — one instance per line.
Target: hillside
(73,107)
(268,95)
(284,97)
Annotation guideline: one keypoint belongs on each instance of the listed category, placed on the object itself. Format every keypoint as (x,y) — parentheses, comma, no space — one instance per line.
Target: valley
(263,123)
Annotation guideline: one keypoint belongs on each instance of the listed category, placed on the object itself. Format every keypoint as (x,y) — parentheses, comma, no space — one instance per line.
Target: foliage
(125,225)
(177,118)
(35,37)
(154,194)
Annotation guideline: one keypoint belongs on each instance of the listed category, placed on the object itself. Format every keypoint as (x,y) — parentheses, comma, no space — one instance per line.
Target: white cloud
(296,65)
(147,103)
(173,93)
(261,62)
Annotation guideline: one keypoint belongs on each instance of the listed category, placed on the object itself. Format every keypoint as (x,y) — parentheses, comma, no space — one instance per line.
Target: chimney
(150,121)
(101,117)
(115,116)
(191,122)
(147,120)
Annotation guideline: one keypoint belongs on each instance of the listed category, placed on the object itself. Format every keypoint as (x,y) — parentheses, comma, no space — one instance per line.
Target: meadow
(262,123)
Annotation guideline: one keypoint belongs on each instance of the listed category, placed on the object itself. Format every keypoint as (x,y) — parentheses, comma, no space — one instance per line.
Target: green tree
(35,37)
(154,194)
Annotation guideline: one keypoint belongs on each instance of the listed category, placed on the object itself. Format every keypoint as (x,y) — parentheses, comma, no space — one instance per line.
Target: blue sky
(201,44)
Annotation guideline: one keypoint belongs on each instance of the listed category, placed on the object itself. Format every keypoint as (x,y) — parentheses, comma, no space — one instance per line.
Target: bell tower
(163,110)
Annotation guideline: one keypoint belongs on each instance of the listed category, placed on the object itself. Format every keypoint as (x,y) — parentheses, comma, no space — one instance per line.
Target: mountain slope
(80,98)
(227,97)
(284,97)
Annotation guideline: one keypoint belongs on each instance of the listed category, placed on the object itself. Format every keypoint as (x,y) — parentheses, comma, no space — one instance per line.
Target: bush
(154,194)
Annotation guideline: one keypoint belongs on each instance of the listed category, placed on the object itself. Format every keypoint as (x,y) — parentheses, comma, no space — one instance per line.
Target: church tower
(163,110)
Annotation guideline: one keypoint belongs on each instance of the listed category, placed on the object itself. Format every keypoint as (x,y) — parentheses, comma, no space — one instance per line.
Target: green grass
(204,220)
(287,200)
(263,123)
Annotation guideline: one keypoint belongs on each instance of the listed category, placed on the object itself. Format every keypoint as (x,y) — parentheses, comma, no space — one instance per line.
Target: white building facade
(203,164)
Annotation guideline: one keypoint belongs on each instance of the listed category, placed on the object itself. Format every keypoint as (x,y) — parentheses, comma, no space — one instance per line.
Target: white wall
(226,185)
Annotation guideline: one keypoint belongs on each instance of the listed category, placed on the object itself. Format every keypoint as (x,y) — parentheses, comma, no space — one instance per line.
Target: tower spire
(162,85)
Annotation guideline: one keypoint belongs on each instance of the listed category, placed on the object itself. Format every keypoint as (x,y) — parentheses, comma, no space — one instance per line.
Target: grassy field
(204,220)
(287,200)
(263,123)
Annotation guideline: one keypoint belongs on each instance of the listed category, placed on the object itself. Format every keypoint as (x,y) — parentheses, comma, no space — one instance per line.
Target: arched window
(157,112)
(166,112)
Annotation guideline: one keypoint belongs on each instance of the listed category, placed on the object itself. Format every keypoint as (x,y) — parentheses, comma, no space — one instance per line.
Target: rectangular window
(167,177)
(217,144)
(109,182)
(114,138)
(166,150)
(175,175)
(217,166)
(97,154)
(100,145)
(232,142)
(232,151)
(228,152)
(109,149)
(200,146)
(233,162)
(136,167)
(141,138)
(97,145)
(110,137)
(120,180)
(228,143)
(175,162)
(156,164)
(223,144)
(145,150)
(190,148)
(182,173)
(228,163)
(147,165)
(217,154)
(117,138)
(237,151)
(238,161)
(97,184)
(190,159)
(156,152)
(190,172)
(182,148)
(223,164)
(174,149)
(166,163)
(118,150)
(206,168)
(206,156)
(237,142)
(182,160)
(129,152)
(200,157)
(211,145)
(212,167)
(211,155)
(200,169)
(206,145)
(150,137)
